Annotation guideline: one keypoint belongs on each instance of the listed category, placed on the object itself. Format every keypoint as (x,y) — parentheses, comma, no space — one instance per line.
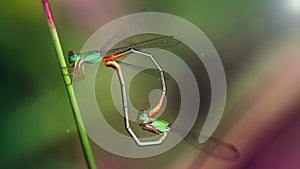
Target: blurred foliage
(36,121)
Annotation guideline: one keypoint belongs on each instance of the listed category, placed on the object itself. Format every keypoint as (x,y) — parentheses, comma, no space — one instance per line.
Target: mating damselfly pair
(147,121)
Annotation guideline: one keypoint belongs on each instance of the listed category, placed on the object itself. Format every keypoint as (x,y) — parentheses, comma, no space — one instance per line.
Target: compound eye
(73,56)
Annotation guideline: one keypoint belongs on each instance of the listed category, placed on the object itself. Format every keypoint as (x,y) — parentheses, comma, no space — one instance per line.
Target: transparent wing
(152,72)
(212,146)
(163,42)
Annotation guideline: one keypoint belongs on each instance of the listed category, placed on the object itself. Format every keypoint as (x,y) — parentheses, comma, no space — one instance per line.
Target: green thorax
(90,57)
(160,124)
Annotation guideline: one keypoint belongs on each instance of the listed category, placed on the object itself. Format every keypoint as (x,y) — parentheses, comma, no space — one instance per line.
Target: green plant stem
(78,121)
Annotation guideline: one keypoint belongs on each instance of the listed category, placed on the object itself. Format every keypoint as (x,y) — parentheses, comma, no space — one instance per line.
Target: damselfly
(212,146)
(78,60)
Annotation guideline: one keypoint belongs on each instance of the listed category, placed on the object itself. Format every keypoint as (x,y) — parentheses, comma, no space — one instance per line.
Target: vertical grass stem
(62,63)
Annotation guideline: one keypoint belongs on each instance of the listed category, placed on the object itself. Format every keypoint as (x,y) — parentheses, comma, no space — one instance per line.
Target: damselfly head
(73,56)
(142,116)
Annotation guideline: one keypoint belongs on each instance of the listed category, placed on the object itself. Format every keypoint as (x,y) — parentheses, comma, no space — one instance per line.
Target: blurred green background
(37,126)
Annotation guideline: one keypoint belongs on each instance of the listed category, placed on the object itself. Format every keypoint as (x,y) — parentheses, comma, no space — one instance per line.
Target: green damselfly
(212,146)
(77,60)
